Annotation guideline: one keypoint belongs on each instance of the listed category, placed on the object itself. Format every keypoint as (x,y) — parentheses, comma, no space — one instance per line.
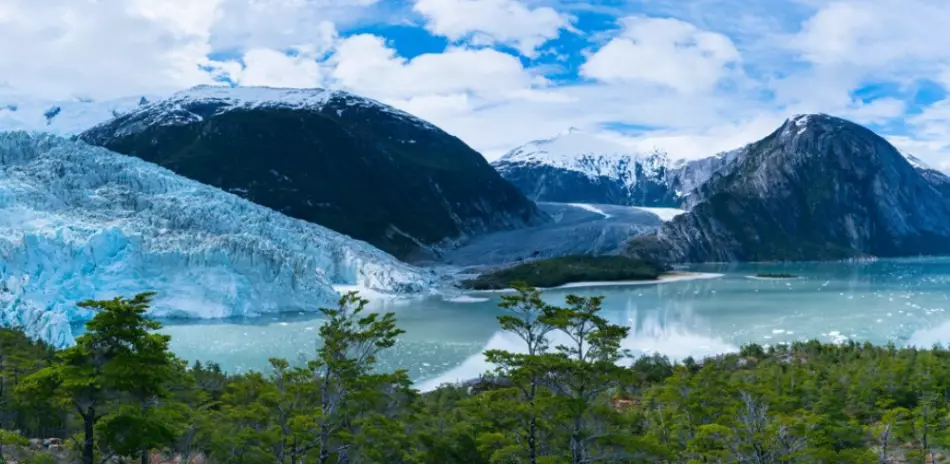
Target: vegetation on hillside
(572,396)
(552,272)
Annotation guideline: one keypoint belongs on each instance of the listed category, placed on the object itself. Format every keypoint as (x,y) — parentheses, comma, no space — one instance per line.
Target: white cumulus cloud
(666,52)
(488,22)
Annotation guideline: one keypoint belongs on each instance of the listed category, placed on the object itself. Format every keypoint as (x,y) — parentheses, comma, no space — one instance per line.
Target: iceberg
(80,222)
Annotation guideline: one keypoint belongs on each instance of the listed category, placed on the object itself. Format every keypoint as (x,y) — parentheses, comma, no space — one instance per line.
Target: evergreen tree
(115,370)
(585,372)
(531,320)
(343,371)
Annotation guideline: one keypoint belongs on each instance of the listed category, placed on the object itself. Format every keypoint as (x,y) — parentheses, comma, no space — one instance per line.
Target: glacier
(62,117)
(80,222)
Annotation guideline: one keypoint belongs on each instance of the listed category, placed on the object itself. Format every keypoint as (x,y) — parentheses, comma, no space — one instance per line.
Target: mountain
(938,179)
(581,167)
(18,112)
(819,187)
(332,158)
(79,222)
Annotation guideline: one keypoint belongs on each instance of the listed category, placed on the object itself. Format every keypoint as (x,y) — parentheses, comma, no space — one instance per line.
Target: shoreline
(752,277)
(662,279)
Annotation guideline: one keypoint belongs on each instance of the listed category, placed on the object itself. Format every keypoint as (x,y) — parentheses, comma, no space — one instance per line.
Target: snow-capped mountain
(817,188)
(579,166)
(582,167)
(65,118)
(79,222)
(333,158)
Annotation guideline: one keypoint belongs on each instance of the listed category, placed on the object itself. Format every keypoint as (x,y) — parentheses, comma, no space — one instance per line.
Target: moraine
(903,301)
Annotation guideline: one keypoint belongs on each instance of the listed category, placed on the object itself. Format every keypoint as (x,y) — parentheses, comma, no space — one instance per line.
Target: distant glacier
(79,222)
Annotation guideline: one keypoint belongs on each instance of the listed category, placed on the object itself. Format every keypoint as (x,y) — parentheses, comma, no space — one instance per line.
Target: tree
(293,398)
(586,369)
(344,373)
(531,320)
(117,362)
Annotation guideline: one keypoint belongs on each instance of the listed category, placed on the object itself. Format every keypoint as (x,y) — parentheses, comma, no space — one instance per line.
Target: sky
(690,77)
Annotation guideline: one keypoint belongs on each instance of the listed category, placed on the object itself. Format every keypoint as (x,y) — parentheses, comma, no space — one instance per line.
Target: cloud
(489,22)
(688,77)
(111,48)
(106,48)
(283,24)
(365,64)
(666,52)
(265,67)
(875,33)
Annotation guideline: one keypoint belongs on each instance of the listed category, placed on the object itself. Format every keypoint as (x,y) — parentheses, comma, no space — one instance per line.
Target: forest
(572,396)
(552,272)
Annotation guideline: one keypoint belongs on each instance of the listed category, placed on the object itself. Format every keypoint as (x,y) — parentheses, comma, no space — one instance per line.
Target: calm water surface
(904,301)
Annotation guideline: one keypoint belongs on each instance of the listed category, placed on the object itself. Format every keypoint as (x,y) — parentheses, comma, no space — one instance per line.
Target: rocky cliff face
(819,187)
(332,158)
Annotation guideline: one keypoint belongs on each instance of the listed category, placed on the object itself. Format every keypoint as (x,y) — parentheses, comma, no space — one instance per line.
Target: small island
(554,272)
(776,276)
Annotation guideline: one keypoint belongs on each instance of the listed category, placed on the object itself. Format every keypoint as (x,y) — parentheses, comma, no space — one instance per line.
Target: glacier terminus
(79,222)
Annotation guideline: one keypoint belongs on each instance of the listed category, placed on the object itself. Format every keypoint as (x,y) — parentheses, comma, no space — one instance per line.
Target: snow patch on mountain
(197,103)
(78,222)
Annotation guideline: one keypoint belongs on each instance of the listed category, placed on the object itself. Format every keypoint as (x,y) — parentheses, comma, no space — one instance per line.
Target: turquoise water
(904,301)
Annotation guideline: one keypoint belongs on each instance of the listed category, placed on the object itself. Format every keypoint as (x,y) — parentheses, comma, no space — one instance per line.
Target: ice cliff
(79,222)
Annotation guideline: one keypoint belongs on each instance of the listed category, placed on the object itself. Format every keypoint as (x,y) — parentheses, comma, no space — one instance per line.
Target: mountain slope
(332,158)
(80,222)
(819,187)
(587,168)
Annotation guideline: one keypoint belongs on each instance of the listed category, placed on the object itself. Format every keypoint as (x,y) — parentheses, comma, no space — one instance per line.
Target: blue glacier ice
(79,222)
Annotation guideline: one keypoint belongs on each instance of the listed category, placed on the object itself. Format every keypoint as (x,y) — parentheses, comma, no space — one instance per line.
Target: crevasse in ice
(79,222)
